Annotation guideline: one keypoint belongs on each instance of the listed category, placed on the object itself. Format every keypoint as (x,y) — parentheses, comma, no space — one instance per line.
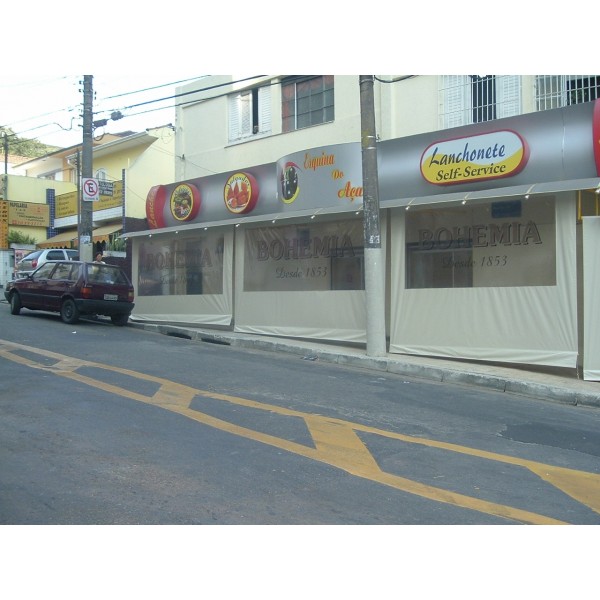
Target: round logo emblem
(288,180)
(240,193)
(185,202)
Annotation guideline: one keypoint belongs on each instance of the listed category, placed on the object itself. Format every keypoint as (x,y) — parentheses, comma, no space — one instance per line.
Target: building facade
(125,166)
(488,189)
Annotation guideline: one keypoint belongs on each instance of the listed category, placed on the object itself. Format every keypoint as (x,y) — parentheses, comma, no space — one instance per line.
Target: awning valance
(101,234)
(64,238)
(70,238)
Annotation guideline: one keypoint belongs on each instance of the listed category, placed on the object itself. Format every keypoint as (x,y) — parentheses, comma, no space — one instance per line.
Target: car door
(58,282)
(33,290)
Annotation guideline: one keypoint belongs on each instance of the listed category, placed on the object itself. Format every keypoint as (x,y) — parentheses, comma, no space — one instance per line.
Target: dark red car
(74,288)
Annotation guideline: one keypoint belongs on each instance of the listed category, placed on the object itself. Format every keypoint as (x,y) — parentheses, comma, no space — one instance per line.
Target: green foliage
(16,237)
(23,146)
(117,244)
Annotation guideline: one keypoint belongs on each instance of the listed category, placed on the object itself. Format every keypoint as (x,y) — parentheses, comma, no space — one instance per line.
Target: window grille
(467,99)
(556,91)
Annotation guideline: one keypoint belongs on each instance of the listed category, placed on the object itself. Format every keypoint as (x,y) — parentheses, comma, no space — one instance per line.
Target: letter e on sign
(91,190)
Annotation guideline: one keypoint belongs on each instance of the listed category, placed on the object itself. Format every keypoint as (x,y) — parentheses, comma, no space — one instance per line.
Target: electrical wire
(166,98)
(131,106)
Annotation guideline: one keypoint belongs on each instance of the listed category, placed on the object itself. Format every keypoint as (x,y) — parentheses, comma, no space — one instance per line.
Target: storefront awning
(61,239)
(101,234)
(270,218)
(66,238)
(504,192)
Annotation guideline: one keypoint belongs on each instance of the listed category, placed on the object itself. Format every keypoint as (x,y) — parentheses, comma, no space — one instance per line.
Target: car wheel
(119,319)
(69,312)
(15,304)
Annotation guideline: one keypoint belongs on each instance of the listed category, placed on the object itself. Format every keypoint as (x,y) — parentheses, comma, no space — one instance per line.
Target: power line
(133,105)
(156,87)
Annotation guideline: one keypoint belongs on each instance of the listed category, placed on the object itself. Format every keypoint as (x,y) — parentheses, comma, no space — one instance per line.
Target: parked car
(74,288)
(28,264)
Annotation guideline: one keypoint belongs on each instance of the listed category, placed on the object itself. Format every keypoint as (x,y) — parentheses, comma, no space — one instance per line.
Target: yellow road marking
(336,441)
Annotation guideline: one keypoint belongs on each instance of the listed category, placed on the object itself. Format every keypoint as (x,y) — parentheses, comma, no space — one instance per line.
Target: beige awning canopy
(101,234)
(61,240)
(69,239)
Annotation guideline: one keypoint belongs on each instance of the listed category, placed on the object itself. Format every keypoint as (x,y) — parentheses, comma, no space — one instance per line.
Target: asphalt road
(102,425)
(109,425)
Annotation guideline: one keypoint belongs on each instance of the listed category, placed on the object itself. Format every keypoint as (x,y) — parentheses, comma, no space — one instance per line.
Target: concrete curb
(540,386)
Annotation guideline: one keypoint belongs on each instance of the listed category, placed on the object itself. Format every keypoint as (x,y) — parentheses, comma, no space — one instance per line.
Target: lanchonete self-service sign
(475,158)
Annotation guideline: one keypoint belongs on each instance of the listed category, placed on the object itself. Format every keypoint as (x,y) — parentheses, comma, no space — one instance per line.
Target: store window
(319,256)
(181,266)
(495,244)
(306,101)
(249,113)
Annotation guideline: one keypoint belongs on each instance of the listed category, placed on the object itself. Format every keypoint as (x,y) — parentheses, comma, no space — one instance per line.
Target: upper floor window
(555,91)
(306,100)
(249,113)
(467,99)
(101,174)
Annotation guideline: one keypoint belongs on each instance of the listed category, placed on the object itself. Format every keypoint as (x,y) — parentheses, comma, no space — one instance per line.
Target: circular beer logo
(240,193)
(288,181)
(185,202)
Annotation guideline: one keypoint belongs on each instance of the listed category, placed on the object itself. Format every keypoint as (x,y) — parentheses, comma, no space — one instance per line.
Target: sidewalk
(563,388)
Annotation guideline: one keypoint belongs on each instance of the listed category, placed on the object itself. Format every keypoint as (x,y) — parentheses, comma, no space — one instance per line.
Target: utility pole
(5,182)
(374,259)
(85,222)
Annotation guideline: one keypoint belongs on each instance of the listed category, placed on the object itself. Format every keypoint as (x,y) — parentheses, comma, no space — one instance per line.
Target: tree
(16,237)
(23,146)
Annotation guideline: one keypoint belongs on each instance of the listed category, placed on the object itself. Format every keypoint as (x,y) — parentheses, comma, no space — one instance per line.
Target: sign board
(66,204)
(90,189)
(3,224)
(31,214)
(106,187)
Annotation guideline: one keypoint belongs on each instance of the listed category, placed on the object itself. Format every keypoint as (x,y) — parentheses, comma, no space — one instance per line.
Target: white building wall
(405,105)
(202,146)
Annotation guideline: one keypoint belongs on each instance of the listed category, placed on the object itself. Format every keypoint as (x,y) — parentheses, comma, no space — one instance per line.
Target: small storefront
(489,233)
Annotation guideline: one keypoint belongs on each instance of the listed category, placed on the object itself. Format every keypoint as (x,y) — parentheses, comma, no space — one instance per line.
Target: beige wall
(404,106)
(30,189)
(154,166)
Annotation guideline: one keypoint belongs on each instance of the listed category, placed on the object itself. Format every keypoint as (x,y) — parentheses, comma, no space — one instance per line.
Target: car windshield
(98,273)
(44,271)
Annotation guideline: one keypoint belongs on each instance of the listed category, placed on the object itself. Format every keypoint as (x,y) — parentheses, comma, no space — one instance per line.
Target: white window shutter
(234,118)
(264,107)
(457,100)
(508,96)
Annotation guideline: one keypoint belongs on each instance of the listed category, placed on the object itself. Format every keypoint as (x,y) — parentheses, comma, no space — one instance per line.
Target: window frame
(306,101)
(459,105)
(249,113)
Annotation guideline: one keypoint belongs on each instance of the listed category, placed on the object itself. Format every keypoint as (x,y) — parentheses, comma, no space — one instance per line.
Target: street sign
(106,187)
(91,190)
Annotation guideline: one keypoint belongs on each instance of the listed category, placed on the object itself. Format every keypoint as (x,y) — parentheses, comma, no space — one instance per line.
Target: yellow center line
(336,441)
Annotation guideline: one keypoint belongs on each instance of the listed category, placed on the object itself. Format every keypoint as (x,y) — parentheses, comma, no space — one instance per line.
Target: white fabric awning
(504,192)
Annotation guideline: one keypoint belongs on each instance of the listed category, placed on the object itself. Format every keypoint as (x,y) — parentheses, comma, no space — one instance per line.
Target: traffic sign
(91,190)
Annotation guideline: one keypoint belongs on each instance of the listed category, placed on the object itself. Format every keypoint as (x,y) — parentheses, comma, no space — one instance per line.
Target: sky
(127,50)
(48,108)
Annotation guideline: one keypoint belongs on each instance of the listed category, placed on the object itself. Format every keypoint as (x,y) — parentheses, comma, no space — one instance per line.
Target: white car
(37,258)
